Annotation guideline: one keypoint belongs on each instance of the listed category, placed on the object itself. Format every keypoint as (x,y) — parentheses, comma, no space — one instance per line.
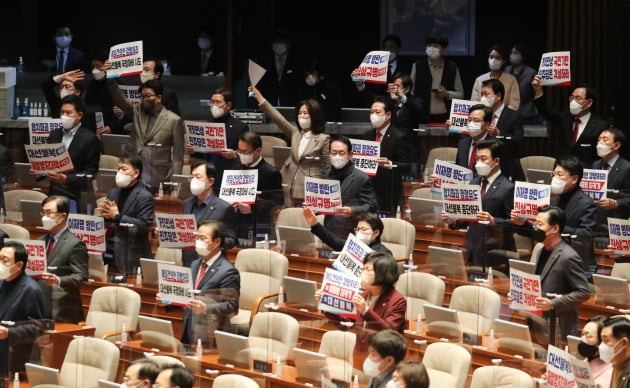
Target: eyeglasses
(577,98)
(560,174)
(245,152)
(362,229)
(148,96)
(341,153)
(47,213)
(368,269)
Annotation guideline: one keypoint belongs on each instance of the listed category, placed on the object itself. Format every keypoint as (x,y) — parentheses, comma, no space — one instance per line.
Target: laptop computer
(232,348)
(535,175)
(149,268)
(183,185)
(40,375)
(157,333)
(280,155)
(105,180)
(522,265)
(107,384)
(296,239)
(97,269)
(310,365)
(300,292)
(20,174)
(31,211)
(611,290)
(425,209)
(513,338)
(447,262)
(442,322)
(114,144)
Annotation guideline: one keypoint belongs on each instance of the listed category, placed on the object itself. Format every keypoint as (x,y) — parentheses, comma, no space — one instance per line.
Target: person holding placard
(496,62)
(615,348)
(588,347)
(479,119)
(577,129)
(309,143)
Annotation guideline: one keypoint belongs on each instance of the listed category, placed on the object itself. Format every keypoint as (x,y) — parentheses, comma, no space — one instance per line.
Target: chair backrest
(267,143)
(420,288)
(477,307)
(234,381)
(292,216)
(16,231)
(447,364)
(500,376)
(399,236)
(425,192)
(448,154)
(87,360)
(169,254)
(12,201)
(538,162)
(162,360)
(272,335)
(619,270)
(338,344)
(536,252)
(108,161)
(110,307)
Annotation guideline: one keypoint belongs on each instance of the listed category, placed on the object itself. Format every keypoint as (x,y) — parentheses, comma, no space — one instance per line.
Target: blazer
(214,209)
(463,147)
(619,179)
(314,159)
(75,60)
(337,243)
(328,94)
(222,278)
(563,274)
(130,244)
(283,91)
(70,256)
(510,124)
(85,153)
(563,122)
(394,147)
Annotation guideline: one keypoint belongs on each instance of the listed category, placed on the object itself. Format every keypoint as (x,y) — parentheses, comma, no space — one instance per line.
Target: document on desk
(524,289)
(175,284)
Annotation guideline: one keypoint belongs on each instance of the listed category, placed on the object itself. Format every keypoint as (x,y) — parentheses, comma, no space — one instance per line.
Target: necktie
(202,272)
(484,185)
(203,63)
(473,155)
(51,246)
(379,136)
(576,128)
(606,166)
(495,118)
(60,61)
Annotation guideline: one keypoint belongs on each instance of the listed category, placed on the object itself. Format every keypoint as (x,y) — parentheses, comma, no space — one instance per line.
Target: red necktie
(576,128)
(202,273)
(51,246)
(379,135)
(484,185)
(473,156)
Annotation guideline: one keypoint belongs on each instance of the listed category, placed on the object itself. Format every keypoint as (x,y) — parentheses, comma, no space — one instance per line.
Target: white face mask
(5,271)
(65,92)
(122,180)
(557,185)
(607,352)
(392,384)
(367,279)
(197,186)
(338,162)
(433,52)
(482,168)
(67,122)
(204,43)
(48,223)
(377,120)
(202,248)
(98,74)
(515,59)
(146,76)
(364,237)
(304,123)
(63,41)
(246,159)
(123,385)
(311,80)
(488,101)
(279,48)
(603,150)
(575,108)
(370,367)
(474,128)
(494,64)
(217,112)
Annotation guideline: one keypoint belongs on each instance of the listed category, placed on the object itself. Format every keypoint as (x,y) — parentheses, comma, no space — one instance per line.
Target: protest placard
(90,229)
(619,236)
(239,186)
(100,121)
(594,183)
(176,230)
(448,172)
(559,372)
(126,59)
(555,68)
(131,93)
(461,201)
(528,197)
(322,195)
(350,260)
(524,289)
(174,284)
(373,68)
(582,373)
(40,127)
(46,158)
(206,137)
(36,251)
(459,115)
(338,289)
(365,155)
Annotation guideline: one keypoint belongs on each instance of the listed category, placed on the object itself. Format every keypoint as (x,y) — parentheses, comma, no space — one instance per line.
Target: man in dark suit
(506,125)
(257,219)
(280,83)
(22,302)
(66,262)
(205,205)
(394,151)
(129,208)
(67,57)
(616,205)
(357,189)
(220,107)
(479,119)
(493,229)
(219,281)
(85,153)
(561,273)
(576,130)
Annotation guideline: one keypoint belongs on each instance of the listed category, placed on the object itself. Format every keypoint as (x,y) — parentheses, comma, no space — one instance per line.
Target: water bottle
(355,382)
(199,349)
(398,212)
(16,108)
(16,380)
(20,65)
(45,110)
(139,276)
(281,295)
(490,276)
(25,112)
(161,191)
(123,334)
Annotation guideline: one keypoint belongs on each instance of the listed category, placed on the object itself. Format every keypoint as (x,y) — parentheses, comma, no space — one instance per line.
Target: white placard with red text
(528,197)
(206,137)
(555,68)
(176,230)
(41,127)
(559,371)
(461,201)
(582,373)
(239,186)
(90,229)
(619,236)
(46,158)
(365,155)
(459,116)
(36,250)
(126,59)
(373,68)
(338,289)
(524,289)
(322,195)
(350,260)
(594,183)
(174,284)
(448,172)
(131,93)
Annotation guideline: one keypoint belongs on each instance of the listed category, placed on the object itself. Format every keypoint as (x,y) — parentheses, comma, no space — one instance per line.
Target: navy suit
(222,284)
(510,124)
(283,91)
(75,60)
(214,209)
(131,243)
(618,179)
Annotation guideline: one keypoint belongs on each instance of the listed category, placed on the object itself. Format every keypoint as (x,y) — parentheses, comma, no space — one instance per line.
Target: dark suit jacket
(394,147)
(75,60)
(70,256)
(215,209)
(129,244)
(328,94)
(223,284)
(618,179)
(337,243)
(563,274)
(85,152)
(510,124)
(563,123)
(283,91)
(462,158)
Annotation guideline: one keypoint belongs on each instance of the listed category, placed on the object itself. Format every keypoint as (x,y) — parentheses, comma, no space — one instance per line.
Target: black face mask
(147,106)
(587,350)
(538,235)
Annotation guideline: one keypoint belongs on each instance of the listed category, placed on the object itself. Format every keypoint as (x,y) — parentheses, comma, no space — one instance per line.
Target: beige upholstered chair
(425,192)
(420,288)
(108,161)
(110,308)
(16,231)
(500,376)
(294,216)
(169,254)
(272,335)
(537,162)
(162,360)
(339,347)
(447,365)
(12,201)
(477,308)
(447,154)
(262,272)
(399,236)
(267,147)
(234,381)
(87,360)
